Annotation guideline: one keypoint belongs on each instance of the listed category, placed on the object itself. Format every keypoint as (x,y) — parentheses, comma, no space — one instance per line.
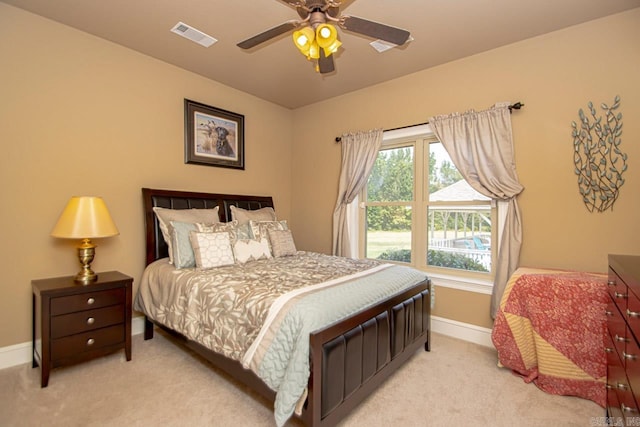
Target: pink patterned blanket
(550,329)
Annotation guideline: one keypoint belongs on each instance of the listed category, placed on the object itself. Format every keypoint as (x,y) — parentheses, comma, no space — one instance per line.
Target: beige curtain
(359,153)
(480,145)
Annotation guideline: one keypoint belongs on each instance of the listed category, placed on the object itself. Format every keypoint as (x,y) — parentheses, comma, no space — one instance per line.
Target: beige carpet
(456,384)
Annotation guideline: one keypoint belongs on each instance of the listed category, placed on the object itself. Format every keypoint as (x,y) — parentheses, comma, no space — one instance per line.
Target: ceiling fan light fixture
(332,48)
(314,51)
(326,35)
(303,38)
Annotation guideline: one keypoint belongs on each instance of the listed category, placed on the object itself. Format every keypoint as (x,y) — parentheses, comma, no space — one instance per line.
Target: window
(419,210)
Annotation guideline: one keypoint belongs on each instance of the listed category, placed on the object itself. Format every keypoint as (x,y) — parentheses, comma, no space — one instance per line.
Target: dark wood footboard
(350,359)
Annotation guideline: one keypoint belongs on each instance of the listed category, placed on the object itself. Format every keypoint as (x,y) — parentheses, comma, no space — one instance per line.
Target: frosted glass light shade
(85,217)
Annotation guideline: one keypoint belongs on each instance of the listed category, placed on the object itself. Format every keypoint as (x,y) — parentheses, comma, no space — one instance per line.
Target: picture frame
(212,136)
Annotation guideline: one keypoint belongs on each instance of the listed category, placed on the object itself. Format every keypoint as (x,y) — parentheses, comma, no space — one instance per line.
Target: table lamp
(86,218)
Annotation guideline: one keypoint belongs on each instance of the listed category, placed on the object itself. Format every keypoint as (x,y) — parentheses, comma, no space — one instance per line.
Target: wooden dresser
(73,323)
(623,340)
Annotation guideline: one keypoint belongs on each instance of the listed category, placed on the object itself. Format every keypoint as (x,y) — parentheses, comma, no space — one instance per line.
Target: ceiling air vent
(192,34)
(381,45)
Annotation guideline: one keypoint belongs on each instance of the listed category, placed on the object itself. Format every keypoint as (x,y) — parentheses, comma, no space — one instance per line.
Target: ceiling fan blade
(269,34)
(325,63)
(376,30)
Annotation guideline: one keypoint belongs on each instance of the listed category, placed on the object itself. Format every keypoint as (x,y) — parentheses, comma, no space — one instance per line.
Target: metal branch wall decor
(599,162)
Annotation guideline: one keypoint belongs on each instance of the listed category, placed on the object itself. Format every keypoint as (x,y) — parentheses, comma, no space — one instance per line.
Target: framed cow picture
(212,136)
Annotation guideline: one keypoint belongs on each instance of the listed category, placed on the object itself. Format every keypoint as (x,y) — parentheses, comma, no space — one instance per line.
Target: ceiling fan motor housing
(317,17)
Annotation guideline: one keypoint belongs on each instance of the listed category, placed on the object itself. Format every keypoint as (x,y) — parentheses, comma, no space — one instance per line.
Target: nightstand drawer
(82,321)
(88,341)
(87,301)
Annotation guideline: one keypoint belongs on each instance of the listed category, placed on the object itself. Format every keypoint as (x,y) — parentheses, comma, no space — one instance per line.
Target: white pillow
(211,249)
(165,216)
(246,250)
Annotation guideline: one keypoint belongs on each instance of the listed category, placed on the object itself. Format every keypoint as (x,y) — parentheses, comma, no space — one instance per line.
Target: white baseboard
(19,354)
(463,331)
(15,355)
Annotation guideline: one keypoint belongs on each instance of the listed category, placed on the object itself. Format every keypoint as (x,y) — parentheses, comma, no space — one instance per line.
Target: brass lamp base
(86,253)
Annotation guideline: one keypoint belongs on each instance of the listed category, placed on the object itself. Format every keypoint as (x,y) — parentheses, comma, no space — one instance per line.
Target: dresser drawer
(617,327)
(632,313)
(87,341)
(82,321)
(618,290)
(86,301)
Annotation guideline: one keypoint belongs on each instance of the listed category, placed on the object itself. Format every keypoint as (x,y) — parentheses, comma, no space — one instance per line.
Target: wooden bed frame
(348,360)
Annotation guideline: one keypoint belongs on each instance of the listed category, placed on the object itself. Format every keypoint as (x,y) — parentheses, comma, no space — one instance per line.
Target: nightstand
(74,322)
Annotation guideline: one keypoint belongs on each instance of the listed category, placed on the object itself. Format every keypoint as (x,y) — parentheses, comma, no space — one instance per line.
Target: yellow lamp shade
(314,51)
(85,217)
(326,34)
(303,38)
(332,48)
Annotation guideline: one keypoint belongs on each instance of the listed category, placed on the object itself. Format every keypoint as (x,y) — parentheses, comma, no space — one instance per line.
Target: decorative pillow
(165,216)
(229,227)
(211,249)
(182,252)
(243,216)
(251,250)
(244,231)
(282,243)
(259,229)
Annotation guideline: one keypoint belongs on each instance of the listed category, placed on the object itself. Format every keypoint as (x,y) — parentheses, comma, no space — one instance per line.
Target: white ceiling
(443,30)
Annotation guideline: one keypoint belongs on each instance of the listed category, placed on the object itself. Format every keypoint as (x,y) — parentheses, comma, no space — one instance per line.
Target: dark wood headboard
(156,247)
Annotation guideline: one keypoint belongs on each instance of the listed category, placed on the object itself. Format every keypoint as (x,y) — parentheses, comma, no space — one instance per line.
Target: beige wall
(553,75)
(79,116)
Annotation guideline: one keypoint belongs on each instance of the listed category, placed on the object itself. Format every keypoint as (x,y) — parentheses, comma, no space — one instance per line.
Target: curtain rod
(518,105)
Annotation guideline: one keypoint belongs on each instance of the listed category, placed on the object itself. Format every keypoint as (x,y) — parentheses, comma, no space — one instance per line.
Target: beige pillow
(243,216)
(165,216)
(259,229)
(282,243)
(229,227)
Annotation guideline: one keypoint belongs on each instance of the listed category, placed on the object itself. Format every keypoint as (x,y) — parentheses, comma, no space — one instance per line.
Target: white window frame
(419,137)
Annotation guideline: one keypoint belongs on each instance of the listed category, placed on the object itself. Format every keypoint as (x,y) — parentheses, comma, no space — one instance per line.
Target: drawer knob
(626,408)
(91,321)
(619,295)
(632,313)
(629,356)
(90,341)
(608,350)
(91,300)
(622,386)
(608,313)
(611,282)
(621,339)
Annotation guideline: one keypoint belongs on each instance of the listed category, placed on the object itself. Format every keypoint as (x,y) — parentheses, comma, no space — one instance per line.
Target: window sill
(462,283)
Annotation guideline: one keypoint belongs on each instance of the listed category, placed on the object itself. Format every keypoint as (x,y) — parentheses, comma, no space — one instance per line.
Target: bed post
(148,328)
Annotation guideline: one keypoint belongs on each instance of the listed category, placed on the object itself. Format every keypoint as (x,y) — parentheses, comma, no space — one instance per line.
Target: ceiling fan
(316,37)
